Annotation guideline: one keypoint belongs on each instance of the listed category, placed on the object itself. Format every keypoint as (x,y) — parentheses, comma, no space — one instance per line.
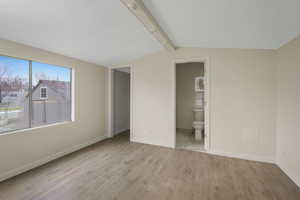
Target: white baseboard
(290,174)
(266,159)
(29,166)
(154,144)
(49,158)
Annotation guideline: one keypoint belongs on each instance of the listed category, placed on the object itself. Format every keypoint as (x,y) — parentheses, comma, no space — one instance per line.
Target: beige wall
(242,100)
(29,148)
(244,103)
(185,92)
(288,116)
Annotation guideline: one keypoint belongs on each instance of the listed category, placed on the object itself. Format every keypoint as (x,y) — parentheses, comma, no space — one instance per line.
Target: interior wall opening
(121,102)
(191,106)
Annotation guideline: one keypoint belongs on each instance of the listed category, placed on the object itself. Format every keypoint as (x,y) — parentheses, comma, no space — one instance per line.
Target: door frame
(111,99)
(204,60)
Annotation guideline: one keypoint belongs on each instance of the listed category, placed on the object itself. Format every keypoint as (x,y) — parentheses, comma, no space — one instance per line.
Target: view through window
(14,84)
(51,94)
(48,102)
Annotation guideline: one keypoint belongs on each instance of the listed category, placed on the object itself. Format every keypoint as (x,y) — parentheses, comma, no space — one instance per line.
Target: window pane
(14,85)
(51,94)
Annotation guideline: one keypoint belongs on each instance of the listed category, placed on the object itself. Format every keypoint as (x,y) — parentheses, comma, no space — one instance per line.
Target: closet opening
(120,108)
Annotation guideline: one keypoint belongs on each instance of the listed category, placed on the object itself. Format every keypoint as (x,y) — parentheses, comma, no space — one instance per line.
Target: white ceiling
(263,24)
(106,33)
(98,31)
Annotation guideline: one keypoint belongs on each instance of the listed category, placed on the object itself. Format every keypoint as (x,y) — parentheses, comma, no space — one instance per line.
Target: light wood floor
(116,169)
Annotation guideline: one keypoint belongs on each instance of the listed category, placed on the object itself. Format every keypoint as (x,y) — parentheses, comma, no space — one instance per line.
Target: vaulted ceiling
(106,33)
(265,24)
(98,31)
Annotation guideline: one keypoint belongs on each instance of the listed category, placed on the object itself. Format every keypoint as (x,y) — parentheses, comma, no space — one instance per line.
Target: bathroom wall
(185,92)
(288,104)
(242,105)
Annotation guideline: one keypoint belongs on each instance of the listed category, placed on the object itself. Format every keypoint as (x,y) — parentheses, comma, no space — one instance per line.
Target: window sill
(34,128)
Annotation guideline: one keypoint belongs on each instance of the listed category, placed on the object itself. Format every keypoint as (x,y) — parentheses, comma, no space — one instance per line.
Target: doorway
(120,102)
(191,105)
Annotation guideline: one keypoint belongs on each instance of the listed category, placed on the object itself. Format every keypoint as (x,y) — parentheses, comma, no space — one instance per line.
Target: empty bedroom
(149,99)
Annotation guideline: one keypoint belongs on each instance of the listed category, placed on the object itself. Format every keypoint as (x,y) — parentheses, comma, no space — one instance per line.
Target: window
(33,94)
(14,84)
(43,93)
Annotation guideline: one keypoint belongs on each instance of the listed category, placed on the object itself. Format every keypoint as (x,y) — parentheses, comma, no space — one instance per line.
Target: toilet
(198,128)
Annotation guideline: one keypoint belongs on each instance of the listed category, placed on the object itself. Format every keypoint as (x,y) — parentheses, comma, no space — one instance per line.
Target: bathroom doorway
(191,107)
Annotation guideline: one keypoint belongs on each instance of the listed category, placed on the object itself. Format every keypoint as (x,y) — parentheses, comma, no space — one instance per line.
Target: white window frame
(41,93)
(72,90)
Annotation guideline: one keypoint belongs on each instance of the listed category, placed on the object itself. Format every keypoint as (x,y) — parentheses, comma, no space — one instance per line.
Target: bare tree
(9,83)
(3,72)
(41,76)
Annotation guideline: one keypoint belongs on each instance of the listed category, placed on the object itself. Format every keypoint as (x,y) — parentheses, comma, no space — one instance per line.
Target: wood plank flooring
(116,169)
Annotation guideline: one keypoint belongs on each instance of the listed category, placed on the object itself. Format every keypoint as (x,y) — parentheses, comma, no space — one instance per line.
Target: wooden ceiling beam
(138,9)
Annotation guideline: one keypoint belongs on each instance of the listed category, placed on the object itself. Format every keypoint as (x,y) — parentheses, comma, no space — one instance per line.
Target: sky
(20,68)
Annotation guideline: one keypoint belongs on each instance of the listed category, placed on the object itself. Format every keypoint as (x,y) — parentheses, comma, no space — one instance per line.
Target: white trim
(110,104)
(111,97)
(174,102)
(41,93)
(207,101)
(204,60)
(154,144)
(27,130)
(244,156)
(131,104)
(72,94)
(29,166)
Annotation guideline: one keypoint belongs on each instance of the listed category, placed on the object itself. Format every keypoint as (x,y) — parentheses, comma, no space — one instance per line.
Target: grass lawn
(10,109)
